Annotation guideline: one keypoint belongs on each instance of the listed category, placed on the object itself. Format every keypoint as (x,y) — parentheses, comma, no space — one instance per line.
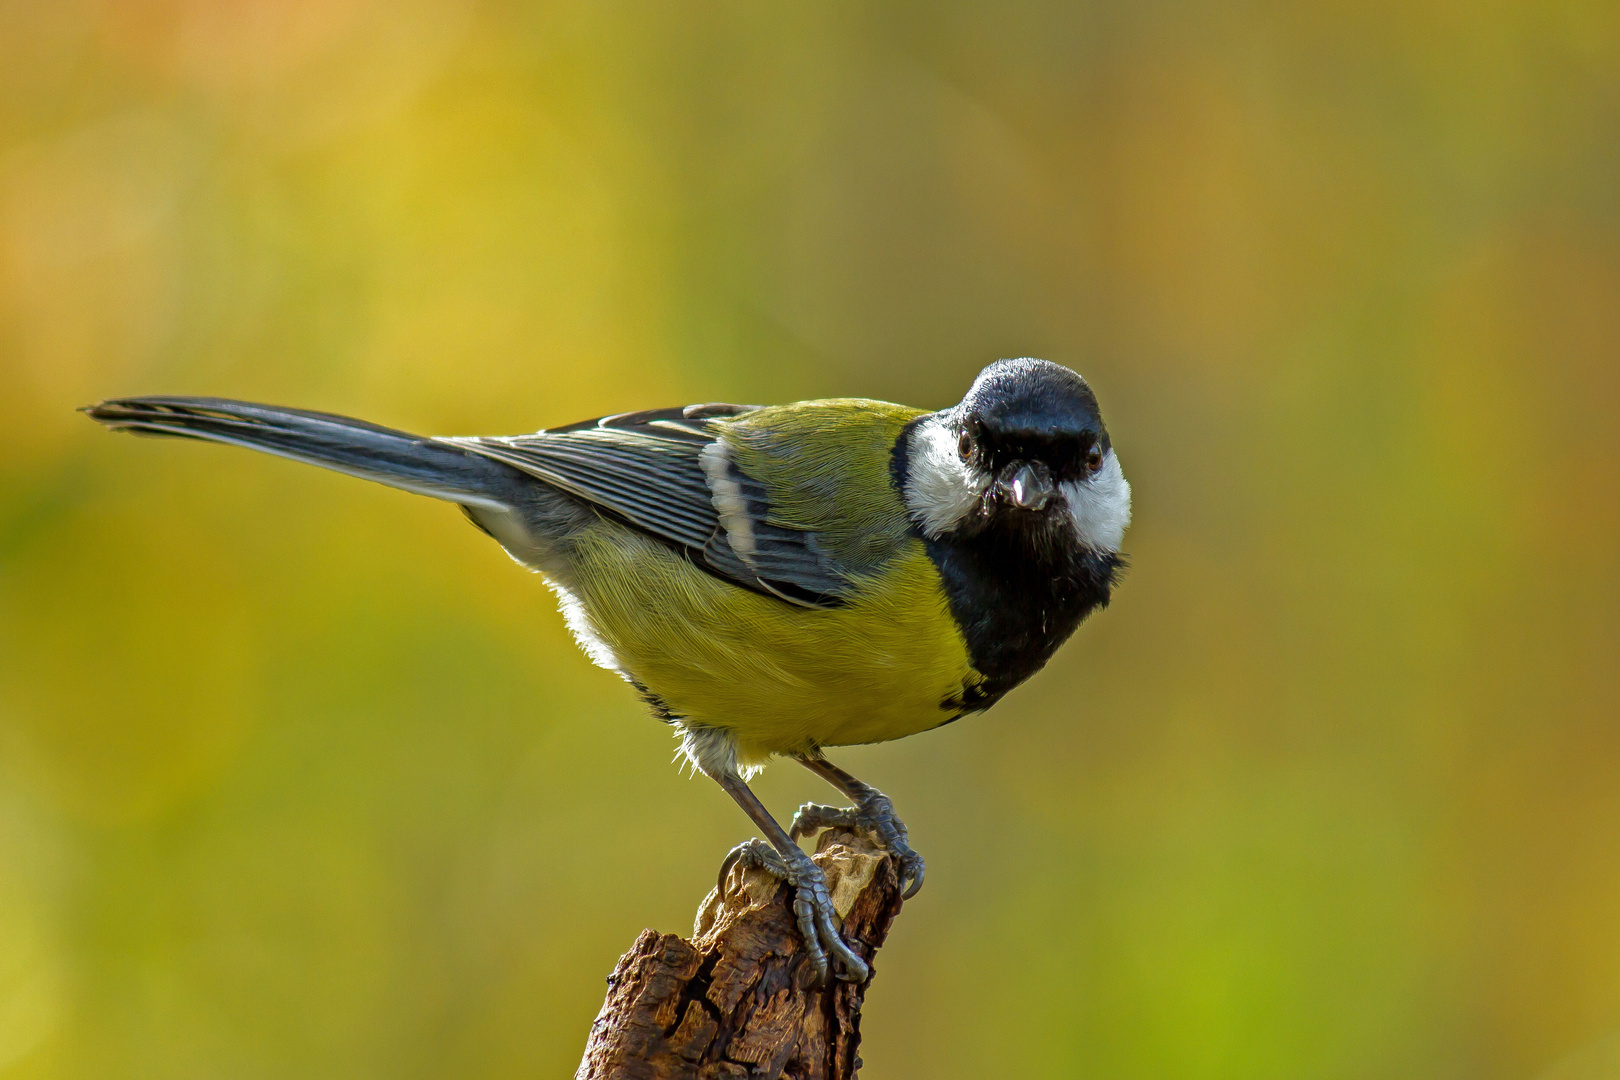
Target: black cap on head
(1028,401)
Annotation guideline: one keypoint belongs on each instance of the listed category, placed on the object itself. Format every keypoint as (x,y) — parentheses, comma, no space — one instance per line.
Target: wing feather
(647,469)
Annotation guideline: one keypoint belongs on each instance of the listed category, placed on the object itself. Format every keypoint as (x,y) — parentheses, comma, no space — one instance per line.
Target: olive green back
(826,467)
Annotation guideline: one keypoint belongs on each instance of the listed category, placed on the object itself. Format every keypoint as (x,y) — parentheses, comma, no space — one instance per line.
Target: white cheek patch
(940,489)
(1100,507)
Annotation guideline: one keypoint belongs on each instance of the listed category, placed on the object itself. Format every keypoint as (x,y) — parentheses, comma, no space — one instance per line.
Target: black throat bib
(1015,597)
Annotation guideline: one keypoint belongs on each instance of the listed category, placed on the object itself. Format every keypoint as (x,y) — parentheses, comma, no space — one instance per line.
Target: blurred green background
(301,776)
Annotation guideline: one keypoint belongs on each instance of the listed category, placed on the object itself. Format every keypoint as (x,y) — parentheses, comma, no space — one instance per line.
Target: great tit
(776,580)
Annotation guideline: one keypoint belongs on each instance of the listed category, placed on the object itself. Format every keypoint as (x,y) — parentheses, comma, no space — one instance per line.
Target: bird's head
(1025,453)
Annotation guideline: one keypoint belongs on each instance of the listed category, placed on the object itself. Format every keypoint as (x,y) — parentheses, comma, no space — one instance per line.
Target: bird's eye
(1094,458)
(964,445)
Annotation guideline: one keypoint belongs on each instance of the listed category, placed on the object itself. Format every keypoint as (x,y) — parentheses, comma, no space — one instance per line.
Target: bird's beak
(1026,485)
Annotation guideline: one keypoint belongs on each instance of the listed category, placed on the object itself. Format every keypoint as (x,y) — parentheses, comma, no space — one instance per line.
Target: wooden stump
(736,1000)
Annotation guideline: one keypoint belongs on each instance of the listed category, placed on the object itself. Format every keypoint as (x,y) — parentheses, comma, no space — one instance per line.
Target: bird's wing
(677,475)
(822,470)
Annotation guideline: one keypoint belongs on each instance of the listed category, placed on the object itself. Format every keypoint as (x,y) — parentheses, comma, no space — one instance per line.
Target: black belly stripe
(1015,605)
(660,708)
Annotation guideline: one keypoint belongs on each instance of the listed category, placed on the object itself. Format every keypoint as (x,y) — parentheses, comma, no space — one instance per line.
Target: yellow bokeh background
(301,776)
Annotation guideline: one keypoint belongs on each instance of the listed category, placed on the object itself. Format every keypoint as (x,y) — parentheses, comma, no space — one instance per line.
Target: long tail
(391,457)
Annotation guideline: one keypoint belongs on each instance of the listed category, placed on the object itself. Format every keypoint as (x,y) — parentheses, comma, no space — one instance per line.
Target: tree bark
(736,1000)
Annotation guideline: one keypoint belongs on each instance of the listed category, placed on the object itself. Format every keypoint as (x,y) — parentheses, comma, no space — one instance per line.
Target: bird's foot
(818,921)
(874,815)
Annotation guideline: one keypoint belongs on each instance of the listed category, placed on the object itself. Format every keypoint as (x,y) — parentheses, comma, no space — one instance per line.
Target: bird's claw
(812,906)
(875,816)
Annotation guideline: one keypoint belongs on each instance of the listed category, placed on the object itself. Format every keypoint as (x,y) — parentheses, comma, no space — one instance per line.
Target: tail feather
(396,458)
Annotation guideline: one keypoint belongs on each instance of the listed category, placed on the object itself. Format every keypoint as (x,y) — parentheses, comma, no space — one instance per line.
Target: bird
(776,580)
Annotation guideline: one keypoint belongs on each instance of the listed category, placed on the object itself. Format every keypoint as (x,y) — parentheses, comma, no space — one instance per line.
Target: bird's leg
(872,813)
(783,858)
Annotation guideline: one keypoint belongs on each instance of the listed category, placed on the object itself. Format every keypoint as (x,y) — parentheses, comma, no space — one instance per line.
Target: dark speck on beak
(1026,485)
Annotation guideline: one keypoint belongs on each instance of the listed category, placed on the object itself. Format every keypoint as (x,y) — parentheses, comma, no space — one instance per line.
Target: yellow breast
(781,678)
